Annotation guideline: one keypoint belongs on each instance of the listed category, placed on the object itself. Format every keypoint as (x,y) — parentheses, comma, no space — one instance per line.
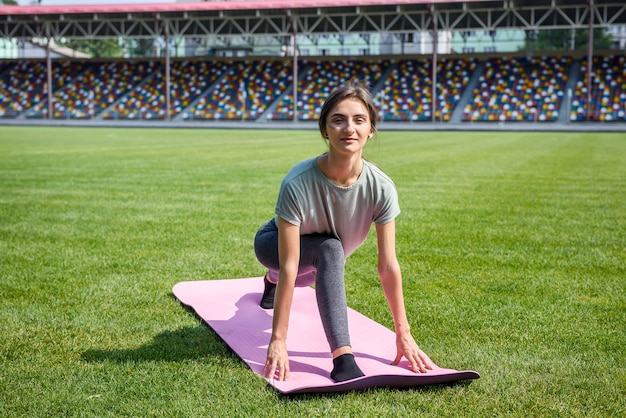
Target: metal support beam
(393,19)
(168,104)
(434,63)
(294,42)
(49,73)
(589,57)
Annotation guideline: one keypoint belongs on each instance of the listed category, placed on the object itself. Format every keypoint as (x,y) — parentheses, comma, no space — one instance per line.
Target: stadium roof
(284,17)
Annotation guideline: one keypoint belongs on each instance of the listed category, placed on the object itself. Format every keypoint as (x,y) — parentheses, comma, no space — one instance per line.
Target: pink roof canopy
(213,6)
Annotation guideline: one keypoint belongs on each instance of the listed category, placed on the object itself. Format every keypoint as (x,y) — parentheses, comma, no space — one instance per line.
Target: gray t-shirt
(311,201)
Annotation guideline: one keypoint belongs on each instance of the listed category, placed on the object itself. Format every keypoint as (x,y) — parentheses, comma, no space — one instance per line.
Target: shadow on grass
(193,343)
(189,343)
(434,388)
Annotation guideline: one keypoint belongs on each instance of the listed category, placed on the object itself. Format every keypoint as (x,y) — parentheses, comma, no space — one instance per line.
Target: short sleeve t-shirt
(310,200)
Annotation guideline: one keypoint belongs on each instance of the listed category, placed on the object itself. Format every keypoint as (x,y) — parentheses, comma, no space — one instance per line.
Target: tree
(140,47)
(97,48)
(566,39)
(9,2)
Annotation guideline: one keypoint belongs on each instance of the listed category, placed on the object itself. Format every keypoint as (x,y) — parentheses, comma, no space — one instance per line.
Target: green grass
(513,247)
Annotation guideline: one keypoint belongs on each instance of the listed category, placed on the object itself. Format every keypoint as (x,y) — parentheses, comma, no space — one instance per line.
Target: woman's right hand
(277,362)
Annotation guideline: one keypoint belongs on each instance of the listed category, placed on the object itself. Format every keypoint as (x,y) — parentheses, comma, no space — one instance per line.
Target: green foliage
(512,247)
(97,48)
(140,47)
(567,40)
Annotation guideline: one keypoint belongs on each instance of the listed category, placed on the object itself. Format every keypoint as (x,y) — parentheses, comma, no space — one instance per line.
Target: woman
(325,209)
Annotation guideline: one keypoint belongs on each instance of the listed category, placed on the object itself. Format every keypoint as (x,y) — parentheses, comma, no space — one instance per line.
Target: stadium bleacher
(407,92)
(508,88)
(320,78)
(519,89)
(608,93)
(62,74)
(244,91)
(114,80)
(23,84)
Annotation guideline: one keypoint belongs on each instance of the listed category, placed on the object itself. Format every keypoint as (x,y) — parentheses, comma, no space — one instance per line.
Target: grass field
(513,248)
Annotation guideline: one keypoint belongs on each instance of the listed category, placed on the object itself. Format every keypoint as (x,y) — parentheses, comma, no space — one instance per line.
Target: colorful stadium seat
(320,78)
(608,90)
(407,93)
(244,92)
(510,88)
(519,89)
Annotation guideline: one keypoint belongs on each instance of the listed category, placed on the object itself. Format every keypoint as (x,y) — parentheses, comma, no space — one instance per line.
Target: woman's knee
(266,246)
(331,249)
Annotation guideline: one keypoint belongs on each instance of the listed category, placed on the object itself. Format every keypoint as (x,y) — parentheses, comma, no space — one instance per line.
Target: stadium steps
(263,117)
(384,77)
(302,74)
(4,75)
(31,114)
(205,93)
(570,88)
(468,93)
(115,103)
(21,115)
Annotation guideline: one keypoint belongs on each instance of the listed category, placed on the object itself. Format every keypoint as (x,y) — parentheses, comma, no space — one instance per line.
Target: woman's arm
(391,280)
(289,258)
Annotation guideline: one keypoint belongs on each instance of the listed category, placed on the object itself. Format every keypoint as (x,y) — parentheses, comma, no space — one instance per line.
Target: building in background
(483,41)
(618,34)
(36,49)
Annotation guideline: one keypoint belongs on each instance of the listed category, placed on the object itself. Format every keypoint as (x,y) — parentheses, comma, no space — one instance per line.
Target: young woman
(326,206)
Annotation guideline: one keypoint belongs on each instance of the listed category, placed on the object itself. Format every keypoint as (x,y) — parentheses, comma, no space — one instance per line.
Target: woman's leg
(266,250)
(322,262)
(326,254)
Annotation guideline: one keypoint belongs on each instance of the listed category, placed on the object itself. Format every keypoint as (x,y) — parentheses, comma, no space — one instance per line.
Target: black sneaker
(267,301)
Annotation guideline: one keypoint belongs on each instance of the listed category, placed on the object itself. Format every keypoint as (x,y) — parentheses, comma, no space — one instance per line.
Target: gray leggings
(322,263)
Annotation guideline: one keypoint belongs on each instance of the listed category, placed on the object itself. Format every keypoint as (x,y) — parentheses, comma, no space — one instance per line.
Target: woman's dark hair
(353,89)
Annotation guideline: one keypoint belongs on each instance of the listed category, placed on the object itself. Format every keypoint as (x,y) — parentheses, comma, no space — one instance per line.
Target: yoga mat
(231,309)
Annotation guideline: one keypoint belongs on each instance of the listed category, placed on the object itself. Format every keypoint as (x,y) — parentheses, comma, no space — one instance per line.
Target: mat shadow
(171,346)
(188,343)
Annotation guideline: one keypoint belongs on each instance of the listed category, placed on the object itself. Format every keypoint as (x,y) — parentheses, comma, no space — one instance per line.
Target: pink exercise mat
(231,309)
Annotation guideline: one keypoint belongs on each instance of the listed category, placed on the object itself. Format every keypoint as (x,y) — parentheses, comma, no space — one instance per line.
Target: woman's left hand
(408,348)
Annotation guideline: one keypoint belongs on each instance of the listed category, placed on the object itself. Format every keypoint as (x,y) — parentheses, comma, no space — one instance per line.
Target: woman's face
(348,126)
